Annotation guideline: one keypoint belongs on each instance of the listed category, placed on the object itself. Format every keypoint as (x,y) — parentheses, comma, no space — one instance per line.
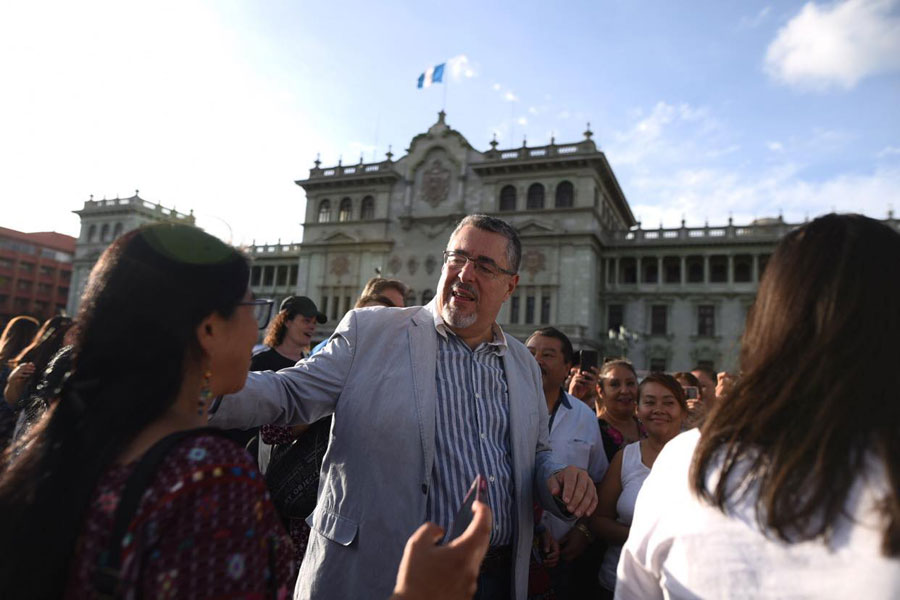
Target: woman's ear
(209,333)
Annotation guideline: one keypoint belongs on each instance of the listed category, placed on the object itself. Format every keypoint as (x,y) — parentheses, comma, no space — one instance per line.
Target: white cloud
(755,21)
(496,87)
(522,121)
(510,97)
(676,159)
(564,114)
(836,45)
(461,68)
(533,110)
(888,151)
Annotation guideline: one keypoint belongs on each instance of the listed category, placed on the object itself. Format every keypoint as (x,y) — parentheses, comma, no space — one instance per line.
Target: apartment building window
(281,275)
(545,310)
(268,275)
(658,318)
(706,320)
(615,316)
(292,278)
(324,307)
(255,275)
(514,309)
(658,365)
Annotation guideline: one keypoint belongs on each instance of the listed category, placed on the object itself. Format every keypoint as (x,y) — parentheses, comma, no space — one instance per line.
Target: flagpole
(446,82)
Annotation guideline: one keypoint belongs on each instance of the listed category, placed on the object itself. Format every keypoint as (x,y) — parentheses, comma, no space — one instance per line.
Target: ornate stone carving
(533,262)
(340,265)
(435,183)
(394,265)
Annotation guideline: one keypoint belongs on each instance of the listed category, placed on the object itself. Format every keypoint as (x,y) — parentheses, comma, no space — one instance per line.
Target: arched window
(508,198)
(535,196)
(565,194)
(324,211)
(117,230)
(427,295)
(367,211)
(104,232)
(345,210)
(92,233)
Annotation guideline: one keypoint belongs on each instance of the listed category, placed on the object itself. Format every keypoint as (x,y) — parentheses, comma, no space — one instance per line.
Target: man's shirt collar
(499,338)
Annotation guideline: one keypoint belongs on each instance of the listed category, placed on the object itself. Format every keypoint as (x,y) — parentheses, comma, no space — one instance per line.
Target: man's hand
(549,549)
(444,572)
(724,385)
(17,382)
(573,544)
(575,488)
(583,384)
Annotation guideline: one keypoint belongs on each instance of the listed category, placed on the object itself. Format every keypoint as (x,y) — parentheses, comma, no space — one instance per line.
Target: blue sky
(705,109)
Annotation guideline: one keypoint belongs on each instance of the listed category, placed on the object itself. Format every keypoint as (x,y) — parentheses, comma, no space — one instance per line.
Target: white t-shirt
(681,547)
(634,472)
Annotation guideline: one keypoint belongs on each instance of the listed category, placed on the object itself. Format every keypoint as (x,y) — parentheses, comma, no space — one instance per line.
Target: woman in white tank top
(661,408)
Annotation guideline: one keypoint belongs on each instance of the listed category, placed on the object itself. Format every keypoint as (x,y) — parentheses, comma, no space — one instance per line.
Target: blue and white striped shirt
(472,431)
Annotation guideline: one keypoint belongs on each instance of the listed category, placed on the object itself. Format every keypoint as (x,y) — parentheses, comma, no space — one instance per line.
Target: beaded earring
(205,393)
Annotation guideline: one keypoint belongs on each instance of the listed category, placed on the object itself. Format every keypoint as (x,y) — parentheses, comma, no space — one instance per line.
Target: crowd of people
(149,451)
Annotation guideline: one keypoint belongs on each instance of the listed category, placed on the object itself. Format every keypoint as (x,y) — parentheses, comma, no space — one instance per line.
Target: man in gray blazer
(424,399)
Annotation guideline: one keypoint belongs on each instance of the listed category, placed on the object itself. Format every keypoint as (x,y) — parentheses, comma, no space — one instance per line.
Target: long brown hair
(818,395)
(136,333)
(17,334)
(46,342)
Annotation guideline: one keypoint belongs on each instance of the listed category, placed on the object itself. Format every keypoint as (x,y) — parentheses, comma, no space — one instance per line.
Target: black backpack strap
(106,577)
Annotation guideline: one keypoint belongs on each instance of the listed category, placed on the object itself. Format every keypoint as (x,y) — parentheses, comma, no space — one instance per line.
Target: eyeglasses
(483,266)
(262,310)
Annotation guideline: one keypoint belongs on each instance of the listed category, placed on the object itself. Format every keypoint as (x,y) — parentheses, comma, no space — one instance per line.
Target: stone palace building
(666,298)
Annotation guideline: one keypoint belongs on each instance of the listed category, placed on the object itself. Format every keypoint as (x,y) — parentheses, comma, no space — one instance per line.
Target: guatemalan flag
(433,75)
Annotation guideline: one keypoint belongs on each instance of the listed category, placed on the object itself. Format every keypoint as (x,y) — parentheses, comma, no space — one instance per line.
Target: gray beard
(455,319)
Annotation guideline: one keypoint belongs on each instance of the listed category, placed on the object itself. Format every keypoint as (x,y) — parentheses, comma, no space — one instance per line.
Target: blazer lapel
(423,357)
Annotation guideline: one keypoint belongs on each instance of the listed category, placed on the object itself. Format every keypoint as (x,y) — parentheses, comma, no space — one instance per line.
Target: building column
(730,268)
(659,270)
(683,270)
(615,271)
(706,268)
(640,270)
(756,268)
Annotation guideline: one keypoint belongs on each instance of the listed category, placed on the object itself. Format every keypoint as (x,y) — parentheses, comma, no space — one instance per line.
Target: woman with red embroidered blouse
(167,322)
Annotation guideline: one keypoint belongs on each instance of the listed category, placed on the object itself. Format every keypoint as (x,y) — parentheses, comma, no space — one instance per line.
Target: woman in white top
(791,489)
(661,408)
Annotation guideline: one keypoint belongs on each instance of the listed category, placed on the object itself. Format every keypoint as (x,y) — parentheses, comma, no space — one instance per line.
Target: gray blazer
(377,376)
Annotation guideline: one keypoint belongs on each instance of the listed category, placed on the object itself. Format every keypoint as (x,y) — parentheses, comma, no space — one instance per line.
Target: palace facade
(667,298)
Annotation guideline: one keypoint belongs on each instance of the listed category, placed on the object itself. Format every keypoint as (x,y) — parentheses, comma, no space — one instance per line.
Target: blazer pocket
(333,526)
